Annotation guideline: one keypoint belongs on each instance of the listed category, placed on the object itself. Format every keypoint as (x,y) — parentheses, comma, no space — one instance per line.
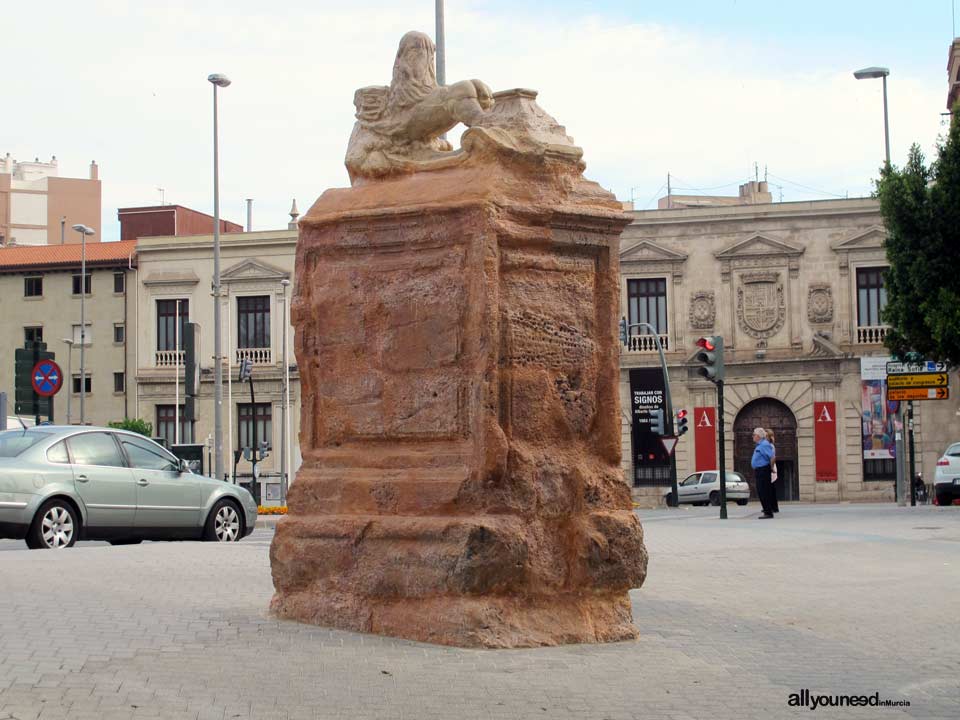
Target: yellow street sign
(918,380)
(941,393)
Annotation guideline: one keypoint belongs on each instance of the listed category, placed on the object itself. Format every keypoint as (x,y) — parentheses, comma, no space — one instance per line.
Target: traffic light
(623,331)
(246,369)
(656,422)
(680,427)
(711,355)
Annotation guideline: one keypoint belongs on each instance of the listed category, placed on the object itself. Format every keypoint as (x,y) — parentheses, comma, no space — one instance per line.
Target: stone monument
(455,315)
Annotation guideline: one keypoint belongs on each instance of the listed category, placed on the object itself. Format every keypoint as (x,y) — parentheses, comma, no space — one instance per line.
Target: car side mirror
(184,466)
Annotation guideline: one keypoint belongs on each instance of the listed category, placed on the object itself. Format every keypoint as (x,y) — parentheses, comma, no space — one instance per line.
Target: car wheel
(714,498)
(741,502)
(224,524)
(126,541)
(54,526)
(944,500)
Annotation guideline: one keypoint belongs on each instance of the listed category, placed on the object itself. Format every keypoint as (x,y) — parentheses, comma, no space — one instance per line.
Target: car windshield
(14,442)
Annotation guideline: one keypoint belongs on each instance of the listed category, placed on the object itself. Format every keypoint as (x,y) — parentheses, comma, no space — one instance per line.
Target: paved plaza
(735,616)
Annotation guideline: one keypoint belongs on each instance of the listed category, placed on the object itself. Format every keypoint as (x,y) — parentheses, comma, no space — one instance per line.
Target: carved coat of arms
(761,308)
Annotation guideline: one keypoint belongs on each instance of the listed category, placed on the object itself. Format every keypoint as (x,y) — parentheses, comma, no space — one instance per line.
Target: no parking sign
(46,378)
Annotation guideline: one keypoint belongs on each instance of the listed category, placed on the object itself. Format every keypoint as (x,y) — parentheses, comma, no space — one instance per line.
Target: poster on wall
(878,425)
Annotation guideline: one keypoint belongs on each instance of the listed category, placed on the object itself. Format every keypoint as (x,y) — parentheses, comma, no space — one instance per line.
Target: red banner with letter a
(705,437)
(825,440)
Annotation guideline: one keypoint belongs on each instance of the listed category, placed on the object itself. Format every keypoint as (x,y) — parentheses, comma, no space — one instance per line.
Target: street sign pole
(36,396)
(913,494)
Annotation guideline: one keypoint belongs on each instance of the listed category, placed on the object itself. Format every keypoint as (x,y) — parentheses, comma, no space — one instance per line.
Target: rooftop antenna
(22,423)
(160,189)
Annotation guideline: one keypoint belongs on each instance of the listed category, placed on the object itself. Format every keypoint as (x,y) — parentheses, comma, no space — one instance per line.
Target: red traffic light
(681,414)
(706,343)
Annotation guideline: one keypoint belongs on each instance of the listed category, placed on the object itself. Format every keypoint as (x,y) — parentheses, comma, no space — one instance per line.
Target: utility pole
(722,449)
(441,46)
(669,203)
(913,490)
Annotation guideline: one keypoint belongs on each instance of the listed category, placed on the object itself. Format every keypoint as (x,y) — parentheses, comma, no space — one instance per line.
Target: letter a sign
(825,440)
(704,421)
(705,438)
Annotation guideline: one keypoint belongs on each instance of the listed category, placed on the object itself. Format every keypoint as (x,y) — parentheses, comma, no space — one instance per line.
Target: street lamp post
(84,231)
(218,81)
(69,342)
(285,414)
(871,73)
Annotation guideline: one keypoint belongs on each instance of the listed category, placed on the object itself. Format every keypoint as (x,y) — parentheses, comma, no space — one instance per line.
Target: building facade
(796,291)
(40,291)
(155,220)
(38,207)
(175,281)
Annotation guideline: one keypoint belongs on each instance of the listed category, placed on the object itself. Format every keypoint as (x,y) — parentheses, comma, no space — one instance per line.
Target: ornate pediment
(759,252)
(870,239)
(253,270)
(646,251)
(759,245)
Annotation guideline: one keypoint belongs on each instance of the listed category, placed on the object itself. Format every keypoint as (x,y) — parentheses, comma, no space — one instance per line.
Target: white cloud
(124,83)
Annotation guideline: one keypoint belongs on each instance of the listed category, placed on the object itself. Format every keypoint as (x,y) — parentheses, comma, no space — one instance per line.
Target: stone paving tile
(734,617)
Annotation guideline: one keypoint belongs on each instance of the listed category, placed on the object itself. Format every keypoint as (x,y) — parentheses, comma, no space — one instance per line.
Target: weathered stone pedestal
(456,338)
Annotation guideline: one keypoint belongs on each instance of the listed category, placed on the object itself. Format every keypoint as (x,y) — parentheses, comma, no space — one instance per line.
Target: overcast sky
(699,88)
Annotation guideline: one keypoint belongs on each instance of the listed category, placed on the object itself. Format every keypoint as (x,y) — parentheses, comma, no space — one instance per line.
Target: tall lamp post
(218,81)
(84,231)
(69,342)
(285,423)
(872,73)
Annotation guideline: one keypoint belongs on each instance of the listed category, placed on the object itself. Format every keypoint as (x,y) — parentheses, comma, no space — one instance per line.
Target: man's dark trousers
(761,476)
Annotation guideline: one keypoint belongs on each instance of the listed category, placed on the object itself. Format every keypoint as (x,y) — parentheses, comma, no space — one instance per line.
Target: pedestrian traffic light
(711,356)
(656,422)
(680,427)
(623,331)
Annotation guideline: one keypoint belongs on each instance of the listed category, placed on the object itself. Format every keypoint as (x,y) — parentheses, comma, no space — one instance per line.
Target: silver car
(63,484)
(703,488)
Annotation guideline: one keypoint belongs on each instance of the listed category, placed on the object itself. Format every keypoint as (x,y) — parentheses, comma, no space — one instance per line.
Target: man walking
(760,462)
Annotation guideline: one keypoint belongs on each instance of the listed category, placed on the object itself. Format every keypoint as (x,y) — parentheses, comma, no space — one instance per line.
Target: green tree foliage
(920,206)
(134,425)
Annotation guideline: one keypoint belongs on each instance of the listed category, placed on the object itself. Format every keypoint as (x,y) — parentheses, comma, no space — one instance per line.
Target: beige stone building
(175,280)
(38,207)
(795,289)
(40,300)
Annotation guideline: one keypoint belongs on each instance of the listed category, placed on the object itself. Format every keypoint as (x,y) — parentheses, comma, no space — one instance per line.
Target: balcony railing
(645,344)
(258,356)
(168,358)
(871,334)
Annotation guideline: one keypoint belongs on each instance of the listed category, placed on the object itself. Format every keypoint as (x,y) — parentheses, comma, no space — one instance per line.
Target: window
(32,287)
(253,322)
(119,332)
(691,480)
(166,319)
(97,448)
(647,302)
(246,413)
(86,284)
(87,335)
(119,282)
(879,469)
(87,382)
(166,428)
(147,455)
(58,453)
(871,296)
(708,478)
(118,382)
(32,334)
(14,442)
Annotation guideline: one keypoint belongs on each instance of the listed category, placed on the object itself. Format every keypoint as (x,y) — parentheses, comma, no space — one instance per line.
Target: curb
(268,521)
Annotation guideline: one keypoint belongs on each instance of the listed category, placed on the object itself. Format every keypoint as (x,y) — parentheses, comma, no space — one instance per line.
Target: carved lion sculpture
(398,127)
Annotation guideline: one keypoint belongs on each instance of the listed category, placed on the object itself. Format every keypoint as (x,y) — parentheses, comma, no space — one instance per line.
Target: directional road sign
(46,378)
(918,380)
(940,393)
(908,368)
(669,442)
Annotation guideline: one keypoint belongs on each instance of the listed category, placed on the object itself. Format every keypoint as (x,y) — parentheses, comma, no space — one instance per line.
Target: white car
(946,480)
(703,488)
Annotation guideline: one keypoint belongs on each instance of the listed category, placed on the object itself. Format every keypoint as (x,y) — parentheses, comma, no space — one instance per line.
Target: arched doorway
(773,415)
